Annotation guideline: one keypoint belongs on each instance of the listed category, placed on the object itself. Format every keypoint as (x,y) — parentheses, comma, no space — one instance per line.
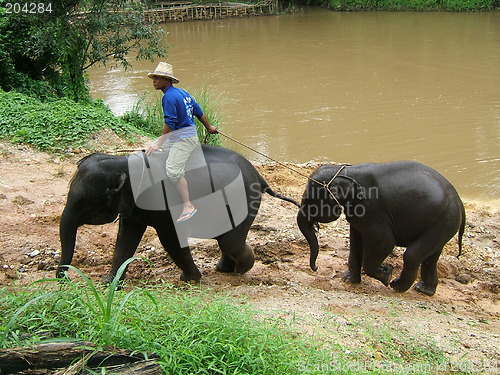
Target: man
(179,131)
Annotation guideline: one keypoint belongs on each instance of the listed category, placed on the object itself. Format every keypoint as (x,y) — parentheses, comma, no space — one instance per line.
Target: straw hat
(165,70)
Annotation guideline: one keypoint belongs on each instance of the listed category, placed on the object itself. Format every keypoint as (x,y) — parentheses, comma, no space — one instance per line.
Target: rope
(326,186)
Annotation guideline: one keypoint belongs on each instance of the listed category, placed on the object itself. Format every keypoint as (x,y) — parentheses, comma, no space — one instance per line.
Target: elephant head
(327,194)
(95,197)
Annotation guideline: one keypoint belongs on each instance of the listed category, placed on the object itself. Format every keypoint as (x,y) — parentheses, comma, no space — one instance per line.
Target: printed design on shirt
(188,103)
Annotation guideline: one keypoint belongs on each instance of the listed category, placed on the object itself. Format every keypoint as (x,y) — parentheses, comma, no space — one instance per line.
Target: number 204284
(28,8)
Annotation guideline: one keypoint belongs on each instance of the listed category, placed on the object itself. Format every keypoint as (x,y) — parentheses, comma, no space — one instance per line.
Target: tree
(59,43)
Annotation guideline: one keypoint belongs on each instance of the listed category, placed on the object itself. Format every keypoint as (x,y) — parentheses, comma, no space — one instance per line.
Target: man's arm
(210,128)
(160,141)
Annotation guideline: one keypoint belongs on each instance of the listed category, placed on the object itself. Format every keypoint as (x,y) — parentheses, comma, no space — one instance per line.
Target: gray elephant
(102,189)
(402,203)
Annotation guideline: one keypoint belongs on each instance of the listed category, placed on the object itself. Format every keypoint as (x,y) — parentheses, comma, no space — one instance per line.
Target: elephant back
(217,190)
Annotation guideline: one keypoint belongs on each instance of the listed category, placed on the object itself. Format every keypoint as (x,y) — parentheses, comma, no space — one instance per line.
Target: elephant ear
(352,190)
(360,191)
(117,183)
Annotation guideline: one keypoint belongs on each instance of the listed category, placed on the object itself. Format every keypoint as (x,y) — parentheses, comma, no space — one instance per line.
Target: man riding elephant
(179,131)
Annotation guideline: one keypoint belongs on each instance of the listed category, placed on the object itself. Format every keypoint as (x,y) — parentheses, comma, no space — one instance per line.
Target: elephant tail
(461,232)
(267,189)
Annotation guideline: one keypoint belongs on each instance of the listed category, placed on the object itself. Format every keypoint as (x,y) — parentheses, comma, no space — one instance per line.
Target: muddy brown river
(345,87)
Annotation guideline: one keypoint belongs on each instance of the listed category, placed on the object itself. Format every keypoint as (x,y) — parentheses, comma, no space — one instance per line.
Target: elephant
(401,203)
(102,190)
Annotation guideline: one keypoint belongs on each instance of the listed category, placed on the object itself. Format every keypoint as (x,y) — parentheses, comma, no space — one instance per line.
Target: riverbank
(462,319)
(180,11)
(413,5)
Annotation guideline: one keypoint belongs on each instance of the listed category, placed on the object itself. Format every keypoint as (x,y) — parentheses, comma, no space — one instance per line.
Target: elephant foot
(351,278)
(108,279)
(385,274)
(225,265)
(61,272)
(398,286)
(191,276)
(420,287)
(243,268)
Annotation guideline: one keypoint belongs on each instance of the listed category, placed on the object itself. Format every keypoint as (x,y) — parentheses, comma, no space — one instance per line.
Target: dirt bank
(462,318)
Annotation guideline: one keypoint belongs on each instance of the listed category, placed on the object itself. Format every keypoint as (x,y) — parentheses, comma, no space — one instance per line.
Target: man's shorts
(178,155)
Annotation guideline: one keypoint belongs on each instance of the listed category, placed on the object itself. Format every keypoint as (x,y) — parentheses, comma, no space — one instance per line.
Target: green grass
(195,331)
(56,125)
(191,330)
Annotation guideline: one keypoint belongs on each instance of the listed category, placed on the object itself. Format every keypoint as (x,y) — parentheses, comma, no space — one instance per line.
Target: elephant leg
(129,237)
(353,273)
(428,275)
(234,247)
(379,247)
(424,247)
(181,256)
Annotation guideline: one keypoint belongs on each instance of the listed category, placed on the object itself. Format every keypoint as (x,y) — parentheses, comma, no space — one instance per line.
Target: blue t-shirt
(179,109)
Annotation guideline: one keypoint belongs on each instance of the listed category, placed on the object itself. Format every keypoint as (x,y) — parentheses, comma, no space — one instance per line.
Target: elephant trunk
(307,228)
(68,228)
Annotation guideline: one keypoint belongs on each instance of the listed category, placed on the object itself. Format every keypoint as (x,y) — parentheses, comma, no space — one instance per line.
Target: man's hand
(152,148)
(211,129)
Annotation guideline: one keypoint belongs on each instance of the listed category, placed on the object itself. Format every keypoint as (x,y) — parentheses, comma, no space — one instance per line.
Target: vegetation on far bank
(410,5)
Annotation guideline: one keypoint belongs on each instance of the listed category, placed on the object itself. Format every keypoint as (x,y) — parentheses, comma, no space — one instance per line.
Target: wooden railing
(175,11)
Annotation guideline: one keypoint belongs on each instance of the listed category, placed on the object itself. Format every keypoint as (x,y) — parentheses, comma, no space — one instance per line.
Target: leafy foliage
(58,46)
(56,125)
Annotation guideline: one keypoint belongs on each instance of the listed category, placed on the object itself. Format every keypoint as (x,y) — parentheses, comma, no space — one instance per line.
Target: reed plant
(147,114)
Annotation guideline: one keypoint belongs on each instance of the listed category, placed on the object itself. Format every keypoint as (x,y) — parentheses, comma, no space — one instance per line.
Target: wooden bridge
(175,11)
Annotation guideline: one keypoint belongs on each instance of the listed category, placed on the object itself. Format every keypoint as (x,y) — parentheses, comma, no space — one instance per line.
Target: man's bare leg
(183,190)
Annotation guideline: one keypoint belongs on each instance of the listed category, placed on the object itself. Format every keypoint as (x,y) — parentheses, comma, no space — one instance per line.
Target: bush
(55,125)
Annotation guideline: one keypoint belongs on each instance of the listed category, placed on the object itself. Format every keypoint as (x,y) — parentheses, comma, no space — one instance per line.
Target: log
(52,355)
(148,367)
(57,355)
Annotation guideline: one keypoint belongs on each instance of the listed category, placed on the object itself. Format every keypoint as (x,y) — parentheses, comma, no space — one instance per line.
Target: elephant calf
(402,203)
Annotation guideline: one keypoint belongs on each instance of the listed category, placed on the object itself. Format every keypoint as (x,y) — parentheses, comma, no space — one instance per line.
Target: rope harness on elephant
(325,185)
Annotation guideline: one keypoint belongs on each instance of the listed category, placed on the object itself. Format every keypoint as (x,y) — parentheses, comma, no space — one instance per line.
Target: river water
(345,87)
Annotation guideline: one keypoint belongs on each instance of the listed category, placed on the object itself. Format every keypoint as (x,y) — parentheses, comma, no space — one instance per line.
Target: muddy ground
(462,318)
